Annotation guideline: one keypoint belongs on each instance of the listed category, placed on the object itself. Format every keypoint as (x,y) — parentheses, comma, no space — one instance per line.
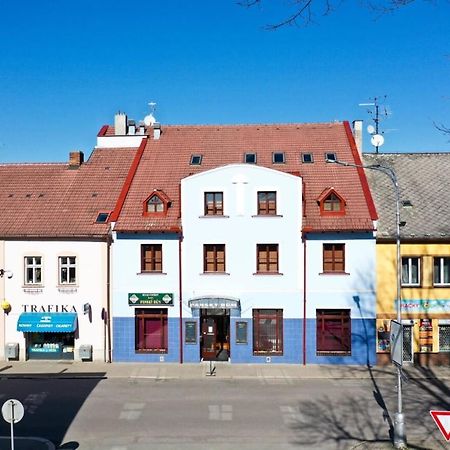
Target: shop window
(67,269)
(214,258)
(33,269)
(333,258)
(151,330)
(213,203)
(151,258)
(444,338)
(426,335)
(441,271)
(410,271)
(268,331)
(333,331)
(267,203)
(267,258)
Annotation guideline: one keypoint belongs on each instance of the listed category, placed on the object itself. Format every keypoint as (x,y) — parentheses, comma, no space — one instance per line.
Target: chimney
(141,129)
(120,124)
(131,127)
(156,131)
(358,135)
(76,159)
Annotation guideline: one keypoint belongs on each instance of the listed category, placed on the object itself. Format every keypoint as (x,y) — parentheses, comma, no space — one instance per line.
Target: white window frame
(441,270)
(67,265)
(409,282)
(34,266)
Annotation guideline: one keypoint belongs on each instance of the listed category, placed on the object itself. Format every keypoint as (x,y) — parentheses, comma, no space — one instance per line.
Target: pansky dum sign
(147,299)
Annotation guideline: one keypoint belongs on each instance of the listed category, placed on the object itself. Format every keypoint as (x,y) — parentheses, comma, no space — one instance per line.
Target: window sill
(67,288)
(33,288)
(154,352)
(334,273)
(151,273)
(268,215)
(214,273)
(411,286)
(267,353)
(268,273)
(214,216)
(443,285)
(325,353)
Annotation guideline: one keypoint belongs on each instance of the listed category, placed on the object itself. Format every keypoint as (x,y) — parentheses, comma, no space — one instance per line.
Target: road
(212,414)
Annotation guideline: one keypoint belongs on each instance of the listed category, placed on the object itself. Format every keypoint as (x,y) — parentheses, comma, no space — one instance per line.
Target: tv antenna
(378,112)
(150,119)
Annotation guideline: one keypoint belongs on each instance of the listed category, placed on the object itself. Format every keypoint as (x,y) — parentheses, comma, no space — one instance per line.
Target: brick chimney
(120,124)
(76,159)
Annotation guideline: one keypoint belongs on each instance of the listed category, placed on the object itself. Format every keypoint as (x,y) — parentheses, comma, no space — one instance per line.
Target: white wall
(90,288)
(2,297)
(240,231)
(119,141)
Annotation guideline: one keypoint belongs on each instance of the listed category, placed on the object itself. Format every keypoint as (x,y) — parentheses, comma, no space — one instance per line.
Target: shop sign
(49,308)
(139,299)
(426,306)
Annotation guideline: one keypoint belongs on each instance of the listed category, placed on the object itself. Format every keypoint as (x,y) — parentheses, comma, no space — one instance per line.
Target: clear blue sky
(67,67)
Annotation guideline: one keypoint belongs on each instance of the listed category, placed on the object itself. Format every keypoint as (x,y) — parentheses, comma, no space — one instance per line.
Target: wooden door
(209,338)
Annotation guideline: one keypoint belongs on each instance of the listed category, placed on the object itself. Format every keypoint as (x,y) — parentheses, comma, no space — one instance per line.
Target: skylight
(250,158)
(196,160)
(102,217)
(307,158)
(330,157)
(278,158)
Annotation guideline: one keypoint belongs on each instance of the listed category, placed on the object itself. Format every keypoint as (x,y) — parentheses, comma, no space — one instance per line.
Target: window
(196,160)
(441,271)
(33,270)
(307,158)
(333,258)
(151,258)
(444,338)
(151,330)
(332,203)
(250,158)
(214,258)
(268,331)
(267,203)
(330,157)
(102,217)
(213,203)
(411,271)
(155,204)
(267,258)
(333,331)
(278,158)
(67,269)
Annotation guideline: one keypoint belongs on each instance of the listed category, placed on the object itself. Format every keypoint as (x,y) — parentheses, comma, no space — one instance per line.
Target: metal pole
(399,419)
(12,425)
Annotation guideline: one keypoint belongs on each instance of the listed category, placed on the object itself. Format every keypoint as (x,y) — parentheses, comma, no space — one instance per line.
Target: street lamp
(399,420)
(8,273)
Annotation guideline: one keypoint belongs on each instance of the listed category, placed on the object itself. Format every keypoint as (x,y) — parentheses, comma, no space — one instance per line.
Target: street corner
(27,443)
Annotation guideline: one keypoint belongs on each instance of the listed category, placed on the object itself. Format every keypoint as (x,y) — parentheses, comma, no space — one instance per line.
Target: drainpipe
(180,297)
(108,295)
(304,299)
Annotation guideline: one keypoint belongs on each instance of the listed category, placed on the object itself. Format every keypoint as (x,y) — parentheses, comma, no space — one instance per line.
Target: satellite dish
(149,120)
(370,129)
(377,140)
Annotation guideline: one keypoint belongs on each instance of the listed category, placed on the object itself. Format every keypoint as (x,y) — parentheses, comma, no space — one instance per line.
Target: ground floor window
(268,331)
(151,330)
(50,345)
(444,338)
(333,331)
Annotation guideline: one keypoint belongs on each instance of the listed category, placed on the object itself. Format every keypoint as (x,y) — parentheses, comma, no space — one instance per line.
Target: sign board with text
(147,299)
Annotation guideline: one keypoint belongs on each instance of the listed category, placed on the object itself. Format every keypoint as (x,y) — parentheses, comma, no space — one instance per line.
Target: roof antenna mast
(378,112)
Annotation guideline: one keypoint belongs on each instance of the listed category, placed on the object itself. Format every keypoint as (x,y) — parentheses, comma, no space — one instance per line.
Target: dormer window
(331,203)
(157,203)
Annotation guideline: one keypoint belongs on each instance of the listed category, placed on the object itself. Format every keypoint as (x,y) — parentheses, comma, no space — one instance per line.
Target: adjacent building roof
(164,162)
(423,180)
(57,200)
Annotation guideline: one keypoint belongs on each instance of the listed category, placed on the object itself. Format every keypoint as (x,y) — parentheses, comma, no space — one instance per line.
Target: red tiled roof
(165,162)
(52,200)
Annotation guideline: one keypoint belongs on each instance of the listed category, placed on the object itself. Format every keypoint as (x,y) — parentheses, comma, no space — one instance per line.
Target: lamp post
(399,420)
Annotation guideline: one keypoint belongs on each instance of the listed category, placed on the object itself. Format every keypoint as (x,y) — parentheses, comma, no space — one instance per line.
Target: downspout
(180,296)
(304,299)
(107,319)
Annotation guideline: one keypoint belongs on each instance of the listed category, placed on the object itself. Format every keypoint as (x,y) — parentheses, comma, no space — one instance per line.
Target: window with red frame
(333,258)
(267,203)
(213,203)
(332,203)
(333,331)
(151,258)
(214,258)
(267,258)
(151,330)
(268,331)
(155,204)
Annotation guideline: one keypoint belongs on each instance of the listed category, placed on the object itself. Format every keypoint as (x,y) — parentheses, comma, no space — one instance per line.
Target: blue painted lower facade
(363,349)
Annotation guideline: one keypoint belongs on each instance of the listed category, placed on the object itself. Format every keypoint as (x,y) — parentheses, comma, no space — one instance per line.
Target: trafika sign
(442,419)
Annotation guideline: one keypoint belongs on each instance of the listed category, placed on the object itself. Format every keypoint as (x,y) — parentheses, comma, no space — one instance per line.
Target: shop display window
(383,336)
(50,345)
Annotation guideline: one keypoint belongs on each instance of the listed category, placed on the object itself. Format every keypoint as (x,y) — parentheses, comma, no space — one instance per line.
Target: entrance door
(407,343)
(209,338)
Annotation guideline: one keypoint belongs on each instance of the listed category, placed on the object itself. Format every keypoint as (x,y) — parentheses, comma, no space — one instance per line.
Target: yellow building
(425,255)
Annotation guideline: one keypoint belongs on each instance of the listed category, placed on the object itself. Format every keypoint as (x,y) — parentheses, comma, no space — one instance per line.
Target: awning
(47,322)
(214,303)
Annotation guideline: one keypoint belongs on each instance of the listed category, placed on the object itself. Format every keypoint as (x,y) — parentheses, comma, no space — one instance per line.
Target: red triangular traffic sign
(442,419)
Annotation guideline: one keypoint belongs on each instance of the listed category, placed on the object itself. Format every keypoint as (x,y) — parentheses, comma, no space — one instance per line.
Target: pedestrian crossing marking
(131,411)
(220,412)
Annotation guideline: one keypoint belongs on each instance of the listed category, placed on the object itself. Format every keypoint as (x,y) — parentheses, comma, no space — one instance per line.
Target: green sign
(139,299)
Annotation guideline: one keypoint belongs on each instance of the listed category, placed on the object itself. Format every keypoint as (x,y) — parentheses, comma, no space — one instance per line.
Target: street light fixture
(399,420)
(8,273)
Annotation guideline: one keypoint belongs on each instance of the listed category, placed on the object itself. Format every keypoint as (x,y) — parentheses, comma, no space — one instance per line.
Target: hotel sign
(147,299)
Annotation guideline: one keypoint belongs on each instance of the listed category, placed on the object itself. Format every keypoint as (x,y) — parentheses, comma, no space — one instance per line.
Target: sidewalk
(222,370)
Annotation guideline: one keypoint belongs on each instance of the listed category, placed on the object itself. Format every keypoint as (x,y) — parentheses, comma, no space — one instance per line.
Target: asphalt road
(213,414)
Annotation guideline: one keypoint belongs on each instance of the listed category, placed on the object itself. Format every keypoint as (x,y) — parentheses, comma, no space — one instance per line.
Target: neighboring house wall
(50,296)
(354,291)
(128,278)
(425,308)
(240,229)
